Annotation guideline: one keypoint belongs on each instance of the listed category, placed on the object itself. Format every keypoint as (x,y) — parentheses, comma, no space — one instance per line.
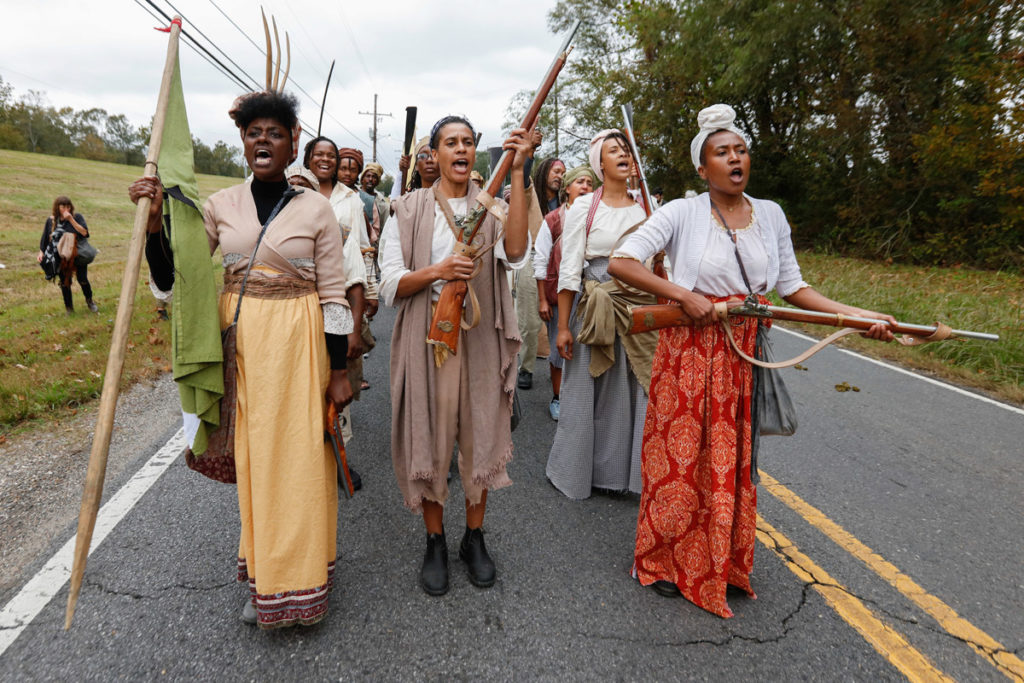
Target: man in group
(547,181)
(368,182)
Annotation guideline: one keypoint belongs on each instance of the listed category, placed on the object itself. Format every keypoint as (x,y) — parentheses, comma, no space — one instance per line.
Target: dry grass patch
(982,301)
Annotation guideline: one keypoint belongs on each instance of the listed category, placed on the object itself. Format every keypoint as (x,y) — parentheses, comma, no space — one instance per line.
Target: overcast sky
(444,57)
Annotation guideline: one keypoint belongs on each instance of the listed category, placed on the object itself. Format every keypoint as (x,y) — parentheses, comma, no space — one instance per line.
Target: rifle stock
(447,319)
(660,316)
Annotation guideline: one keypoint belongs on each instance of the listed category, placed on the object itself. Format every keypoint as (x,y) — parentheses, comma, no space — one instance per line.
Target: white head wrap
(710,119)
(595,151)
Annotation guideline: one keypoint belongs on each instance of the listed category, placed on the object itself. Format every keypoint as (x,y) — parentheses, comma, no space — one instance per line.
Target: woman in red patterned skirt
(695,532)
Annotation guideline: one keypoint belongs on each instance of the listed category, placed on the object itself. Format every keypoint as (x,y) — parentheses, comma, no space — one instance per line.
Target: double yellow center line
(914,665)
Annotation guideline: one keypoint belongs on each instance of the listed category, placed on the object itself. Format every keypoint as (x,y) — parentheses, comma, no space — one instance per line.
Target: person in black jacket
(63,219)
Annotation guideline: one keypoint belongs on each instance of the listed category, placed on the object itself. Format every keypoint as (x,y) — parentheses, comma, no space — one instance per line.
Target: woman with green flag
(291,349)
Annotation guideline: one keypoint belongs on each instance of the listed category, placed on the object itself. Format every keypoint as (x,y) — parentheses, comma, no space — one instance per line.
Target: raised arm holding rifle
(723,245)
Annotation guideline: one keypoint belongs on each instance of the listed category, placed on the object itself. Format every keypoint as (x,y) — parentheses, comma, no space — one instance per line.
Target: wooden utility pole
(376,117)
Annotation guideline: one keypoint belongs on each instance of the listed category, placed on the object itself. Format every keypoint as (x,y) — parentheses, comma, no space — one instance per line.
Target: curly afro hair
(282,107)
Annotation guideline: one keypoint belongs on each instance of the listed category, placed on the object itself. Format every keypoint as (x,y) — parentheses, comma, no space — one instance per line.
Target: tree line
(885,130)
(30,124)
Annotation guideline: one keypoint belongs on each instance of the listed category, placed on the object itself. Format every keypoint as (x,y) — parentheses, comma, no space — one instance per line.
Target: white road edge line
(24,607)
(896,368)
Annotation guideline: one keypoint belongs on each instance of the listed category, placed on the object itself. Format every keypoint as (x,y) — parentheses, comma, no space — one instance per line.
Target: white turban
(595,151)
(710,119)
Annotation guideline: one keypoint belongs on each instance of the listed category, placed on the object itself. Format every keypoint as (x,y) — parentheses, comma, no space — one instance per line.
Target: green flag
(195,327)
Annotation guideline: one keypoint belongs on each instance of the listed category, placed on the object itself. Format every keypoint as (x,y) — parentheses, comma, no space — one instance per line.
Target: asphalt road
(928,478)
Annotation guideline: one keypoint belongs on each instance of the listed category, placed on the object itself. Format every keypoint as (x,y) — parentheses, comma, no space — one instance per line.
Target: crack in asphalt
(155,595)
(987,652)
(786,630)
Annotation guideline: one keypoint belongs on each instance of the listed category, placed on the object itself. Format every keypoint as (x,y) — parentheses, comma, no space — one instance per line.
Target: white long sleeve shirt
(608,227)
(702,254)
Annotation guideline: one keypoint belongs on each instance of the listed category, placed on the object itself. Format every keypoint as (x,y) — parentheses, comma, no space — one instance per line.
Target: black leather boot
(479,564)
(434,574)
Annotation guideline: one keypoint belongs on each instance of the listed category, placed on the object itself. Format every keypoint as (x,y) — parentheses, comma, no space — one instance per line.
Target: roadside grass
(51,364)
(980,301)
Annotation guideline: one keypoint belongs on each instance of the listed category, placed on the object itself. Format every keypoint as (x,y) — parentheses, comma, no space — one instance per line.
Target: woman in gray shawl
(438,399)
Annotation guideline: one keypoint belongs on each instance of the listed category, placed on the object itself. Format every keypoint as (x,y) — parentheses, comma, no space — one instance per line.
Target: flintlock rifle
(658,316)
(447,320)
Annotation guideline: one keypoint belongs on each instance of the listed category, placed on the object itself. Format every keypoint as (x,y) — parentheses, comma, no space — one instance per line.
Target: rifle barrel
(627,115)
(505,162)
(803,315)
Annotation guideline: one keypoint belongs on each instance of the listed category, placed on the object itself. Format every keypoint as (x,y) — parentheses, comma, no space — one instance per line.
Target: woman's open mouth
(736,175)
(461,165)
(262,157)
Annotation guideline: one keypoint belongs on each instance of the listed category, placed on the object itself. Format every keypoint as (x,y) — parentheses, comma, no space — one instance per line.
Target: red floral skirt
(696,527)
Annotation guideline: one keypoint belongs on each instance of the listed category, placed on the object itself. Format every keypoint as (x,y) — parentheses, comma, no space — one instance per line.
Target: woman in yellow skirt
(291,349)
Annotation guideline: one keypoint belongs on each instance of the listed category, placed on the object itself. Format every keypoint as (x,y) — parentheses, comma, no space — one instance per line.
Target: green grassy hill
(50,363)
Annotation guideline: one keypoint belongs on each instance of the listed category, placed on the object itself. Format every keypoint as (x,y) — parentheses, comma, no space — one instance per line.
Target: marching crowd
(310,250)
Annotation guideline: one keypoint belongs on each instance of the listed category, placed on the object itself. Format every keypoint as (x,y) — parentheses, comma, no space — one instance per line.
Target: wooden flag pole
(118,342)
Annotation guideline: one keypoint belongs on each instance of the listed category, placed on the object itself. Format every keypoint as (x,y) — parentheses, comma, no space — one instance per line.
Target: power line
(215,46)
(205,54)
(293,81)
(228,71)
(355,45)
(189,45)
(216,63)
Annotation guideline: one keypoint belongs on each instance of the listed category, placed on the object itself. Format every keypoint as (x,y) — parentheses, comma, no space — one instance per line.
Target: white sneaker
(249,612)
(554,409)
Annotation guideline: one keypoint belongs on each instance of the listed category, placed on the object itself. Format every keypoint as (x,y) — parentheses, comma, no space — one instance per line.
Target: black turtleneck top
(265,195)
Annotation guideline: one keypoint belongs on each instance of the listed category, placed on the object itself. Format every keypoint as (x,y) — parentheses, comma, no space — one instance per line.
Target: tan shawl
(492,347)
(604,312)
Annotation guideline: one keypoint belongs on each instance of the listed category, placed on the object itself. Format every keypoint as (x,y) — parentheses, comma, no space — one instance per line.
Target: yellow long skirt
(287,476)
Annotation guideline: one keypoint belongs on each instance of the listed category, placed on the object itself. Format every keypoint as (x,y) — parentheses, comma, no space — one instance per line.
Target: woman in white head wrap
(604,376)
(695,532)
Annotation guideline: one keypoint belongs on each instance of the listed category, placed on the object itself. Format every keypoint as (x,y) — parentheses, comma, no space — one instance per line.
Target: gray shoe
(249,613)
(92,306)
(554,408)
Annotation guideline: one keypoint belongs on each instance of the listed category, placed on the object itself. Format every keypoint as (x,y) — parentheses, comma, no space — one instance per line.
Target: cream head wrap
(376,168)
(595,152)
(711,120)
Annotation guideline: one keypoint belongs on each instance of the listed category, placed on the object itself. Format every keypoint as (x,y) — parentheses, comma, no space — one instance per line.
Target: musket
(338,445)
(447,320)
(627,116)
(658,316)
(407,143)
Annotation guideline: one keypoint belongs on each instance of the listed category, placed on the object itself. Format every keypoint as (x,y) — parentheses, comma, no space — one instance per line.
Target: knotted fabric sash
(604,312)
(269,287)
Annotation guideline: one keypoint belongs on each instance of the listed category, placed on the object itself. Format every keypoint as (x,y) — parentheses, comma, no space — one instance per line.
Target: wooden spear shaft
(118,343)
